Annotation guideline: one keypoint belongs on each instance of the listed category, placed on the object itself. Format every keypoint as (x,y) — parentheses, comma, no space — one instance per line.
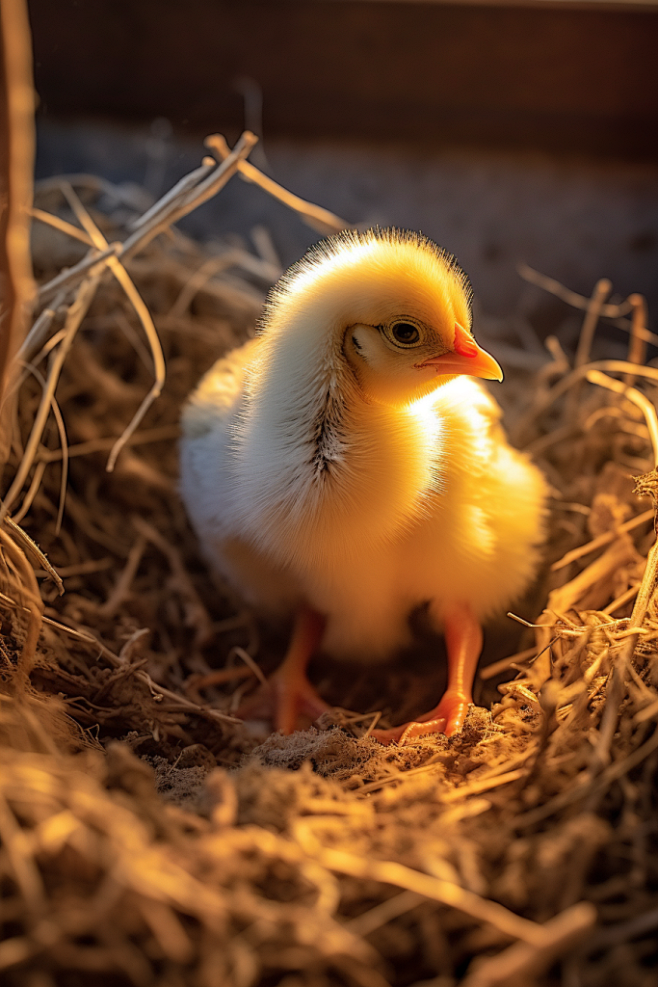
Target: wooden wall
(580,79)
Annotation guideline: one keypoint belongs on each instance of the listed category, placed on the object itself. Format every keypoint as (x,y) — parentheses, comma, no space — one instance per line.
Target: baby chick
(345,467)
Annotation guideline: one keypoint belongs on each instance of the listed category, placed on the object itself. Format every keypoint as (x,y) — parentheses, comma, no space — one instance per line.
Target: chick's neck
(339,473)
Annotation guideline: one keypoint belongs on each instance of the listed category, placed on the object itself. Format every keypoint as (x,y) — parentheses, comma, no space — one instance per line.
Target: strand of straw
(316,217)
(76,314)
(142,312)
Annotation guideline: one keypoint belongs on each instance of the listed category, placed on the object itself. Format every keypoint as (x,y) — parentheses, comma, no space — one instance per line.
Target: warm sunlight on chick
(345,466)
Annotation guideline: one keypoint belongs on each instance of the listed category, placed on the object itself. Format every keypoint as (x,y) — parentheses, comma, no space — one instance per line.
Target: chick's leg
(289,694)
(463,636)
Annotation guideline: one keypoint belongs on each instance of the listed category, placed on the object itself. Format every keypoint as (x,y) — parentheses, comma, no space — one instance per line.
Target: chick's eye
(405,333)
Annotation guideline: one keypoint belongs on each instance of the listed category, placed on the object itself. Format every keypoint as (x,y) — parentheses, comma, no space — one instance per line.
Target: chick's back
(209,487)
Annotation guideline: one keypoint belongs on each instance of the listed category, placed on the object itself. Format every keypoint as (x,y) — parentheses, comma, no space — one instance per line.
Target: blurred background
(506,131)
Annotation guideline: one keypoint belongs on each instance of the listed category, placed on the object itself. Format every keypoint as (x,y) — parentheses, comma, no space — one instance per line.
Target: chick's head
(394,306)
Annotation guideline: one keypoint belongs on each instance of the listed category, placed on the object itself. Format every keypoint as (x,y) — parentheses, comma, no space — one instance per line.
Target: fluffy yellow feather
(346,467)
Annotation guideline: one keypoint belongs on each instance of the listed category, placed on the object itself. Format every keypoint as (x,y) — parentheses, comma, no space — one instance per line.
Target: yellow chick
(345,467)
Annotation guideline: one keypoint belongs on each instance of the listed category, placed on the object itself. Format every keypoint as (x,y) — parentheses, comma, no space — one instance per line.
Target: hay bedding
(522,851)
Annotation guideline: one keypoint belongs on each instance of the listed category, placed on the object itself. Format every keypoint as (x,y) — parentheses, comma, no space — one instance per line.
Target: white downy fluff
(323,463)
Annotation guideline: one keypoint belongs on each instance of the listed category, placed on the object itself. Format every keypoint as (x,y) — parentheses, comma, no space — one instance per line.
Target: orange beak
(466,358)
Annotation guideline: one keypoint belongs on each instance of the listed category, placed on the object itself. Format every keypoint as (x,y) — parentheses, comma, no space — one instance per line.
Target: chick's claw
(448,718)
(284,703)
(408,731)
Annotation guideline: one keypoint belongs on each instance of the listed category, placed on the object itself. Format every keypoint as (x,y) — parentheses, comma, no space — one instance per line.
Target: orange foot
(448,718)
(282,702)
(463,637)
(288,693)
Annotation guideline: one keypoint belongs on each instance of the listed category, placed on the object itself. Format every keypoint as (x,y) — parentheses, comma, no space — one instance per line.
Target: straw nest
(147,838)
